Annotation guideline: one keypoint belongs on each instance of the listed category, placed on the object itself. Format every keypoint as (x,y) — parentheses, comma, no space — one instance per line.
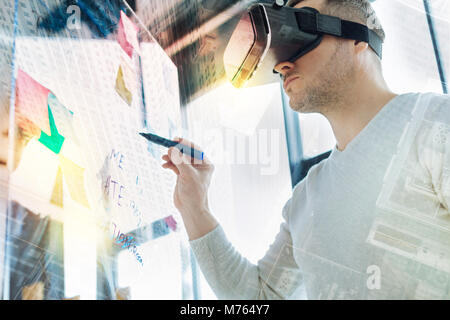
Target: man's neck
(359,108)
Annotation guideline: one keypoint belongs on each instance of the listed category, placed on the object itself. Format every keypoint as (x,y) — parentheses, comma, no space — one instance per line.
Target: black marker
(194,153)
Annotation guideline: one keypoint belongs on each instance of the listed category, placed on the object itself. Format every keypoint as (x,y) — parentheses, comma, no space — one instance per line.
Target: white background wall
(246,202)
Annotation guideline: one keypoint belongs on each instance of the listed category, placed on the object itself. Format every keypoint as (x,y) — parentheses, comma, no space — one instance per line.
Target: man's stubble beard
(329,88)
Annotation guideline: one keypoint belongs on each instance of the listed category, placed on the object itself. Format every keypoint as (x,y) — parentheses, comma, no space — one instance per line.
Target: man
(370,222)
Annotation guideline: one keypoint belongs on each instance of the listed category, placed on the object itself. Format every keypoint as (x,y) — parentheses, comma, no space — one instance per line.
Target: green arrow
(55,141)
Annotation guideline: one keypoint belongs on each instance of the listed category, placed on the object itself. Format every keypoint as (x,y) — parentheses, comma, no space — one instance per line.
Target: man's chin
(301,105)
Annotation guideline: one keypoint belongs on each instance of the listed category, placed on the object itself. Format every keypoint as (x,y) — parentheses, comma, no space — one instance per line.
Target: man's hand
(191,191)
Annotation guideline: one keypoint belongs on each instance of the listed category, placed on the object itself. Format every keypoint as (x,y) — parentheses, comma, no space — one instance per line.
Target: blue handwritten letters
(127,241)
(115,190)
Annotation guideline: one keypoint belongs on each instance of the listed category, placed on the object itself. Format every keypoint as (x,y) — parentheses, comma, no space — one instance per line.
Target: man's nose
(284,67)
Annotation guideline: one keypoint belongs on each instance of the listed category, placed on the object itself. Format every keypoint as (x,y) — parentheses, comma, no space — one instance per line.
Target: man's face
(319,76)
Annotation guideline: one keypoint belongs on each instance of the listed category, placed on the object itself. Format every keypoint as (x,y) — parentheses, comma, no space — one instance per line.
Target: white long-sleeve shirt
(369,222)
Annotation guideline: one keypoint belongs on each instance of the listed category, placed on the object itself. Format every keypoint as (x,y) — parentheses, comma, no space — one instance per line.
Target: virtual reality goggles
(268,34)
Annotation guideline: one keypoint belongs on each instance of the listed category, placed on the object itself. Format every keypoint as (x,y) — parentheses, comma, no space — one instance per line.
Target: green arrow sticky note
(55,141)
(57,194)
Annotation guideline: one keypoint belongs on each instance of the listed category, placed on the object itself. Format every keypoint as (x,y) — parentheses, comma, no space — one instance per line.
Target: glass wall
(409,61)
(242,131)
(87,211)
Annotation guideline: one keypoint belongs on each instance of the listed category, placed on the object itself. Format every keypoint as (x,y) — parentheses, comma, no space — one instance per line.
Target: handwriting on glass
(128,242)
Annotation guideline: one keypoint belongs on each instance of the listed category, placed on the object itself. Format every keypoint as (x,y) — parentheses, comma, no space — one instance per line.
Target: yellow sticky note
(74,177)
(57,193)
(121,87)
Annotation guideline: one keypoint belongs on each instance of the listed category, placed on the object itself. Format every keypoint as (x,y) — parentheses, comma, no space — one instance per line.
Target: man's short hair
(360,11)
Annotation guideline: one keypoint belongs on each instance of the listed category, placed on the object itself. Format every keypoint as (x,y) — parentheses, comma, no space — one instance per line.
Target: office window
(409,63)
(79,261)
(242,132)
(160,270)
(317,134)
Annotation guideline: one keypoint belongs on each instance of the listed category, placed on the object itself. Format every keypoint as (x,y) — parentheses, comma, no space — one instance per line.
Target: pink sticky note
(128,35)
(31,101)
(171,222)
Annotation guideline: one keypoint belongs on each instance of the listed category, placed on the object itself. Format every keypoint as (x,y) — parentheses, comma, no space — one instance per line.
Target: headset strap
(312,22)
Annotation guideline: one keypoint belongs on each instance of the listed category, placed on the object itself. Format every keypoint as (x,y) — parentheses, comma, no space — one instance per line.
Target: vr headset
(268,34)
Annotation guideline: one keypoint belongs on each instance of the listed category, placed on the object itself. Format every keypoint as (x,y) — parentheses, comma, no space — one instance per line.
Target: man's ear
(360,46)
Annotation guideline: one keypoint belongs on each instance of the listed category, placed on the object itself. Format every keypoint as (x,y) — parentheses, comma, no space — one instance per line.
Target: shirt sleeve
(232,276)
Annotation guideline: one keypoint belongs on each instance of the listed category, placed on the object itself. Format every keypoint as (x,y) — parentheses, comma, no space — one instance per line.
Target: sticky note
(31,101)
(63,118)
(171,223)
(128,35)
(38,108)
(55,141)
(74,177)
(57,193)
(121,87)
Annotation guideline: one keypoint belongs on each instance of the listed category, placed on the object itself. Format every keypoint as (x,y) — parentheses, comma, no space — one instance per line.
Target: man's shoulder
(314,173)
(419,106)
(429,94)
(436,95)
(437,106)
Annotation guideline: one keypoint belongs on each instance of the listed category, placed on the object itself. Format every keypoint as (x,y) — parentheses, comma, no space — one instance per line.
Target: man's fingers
(175,170)
(171,166)
(182,143)
(166,164)
(180,160)
(195,146)
(187,143)
(168,160)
